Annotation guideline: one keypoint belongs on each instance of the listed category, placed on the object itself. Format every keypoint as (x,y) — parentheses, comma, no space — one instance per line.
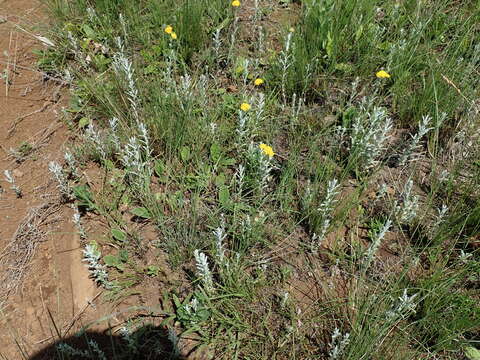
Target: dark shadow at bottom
(146,343)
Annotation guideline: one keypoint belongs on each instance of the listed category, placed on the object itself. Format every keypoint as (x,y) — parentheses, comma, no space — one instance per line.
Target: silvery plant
(370,132)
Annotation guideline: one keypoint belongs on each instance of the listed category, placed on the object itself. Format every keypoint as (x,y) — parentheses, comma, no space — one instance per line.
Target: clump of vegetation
(314,182)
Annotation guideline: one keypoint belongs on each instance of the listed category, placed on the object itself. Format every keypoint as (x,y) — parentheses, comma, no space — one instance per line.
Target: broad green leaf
(89,31)
(343,67)
(159,168)
(119,235)
(141,212)
(94,247)
(472,353)
(110,260)
(84,197)
(215,152)
(220,179)
(224,196)
(185,153)
(152,270)
(70,27)
(358,33)
(228,162)
(329,47)
(83,122)
(176,301)
(123,255)
(109,164)
(113,261)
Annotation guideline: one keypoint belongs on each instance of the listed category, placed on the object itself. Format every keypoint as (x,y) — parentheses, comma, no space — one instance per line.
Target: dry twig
(17,255)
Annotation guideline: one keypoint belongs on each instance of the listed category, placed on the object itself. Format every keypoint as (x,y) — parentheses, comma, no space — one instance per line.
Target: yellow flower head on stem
(382,74)
(173,36)
(235,3)
(258,82)
(267,150)
(245,107)
(169,29)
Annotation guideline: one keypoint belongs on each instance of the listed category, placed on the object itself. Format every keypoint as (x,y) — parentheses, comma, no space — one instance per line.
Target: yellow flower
(382,74)
(267,150)
(235,3)
(258,82)
(174,36)
(245,107)
(169,29)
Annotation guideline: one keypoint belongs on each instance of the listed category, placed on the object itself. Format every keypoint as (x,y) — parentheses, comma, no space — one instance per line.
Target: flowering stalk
(124,69)
(240,177)
(92,15)
(325,211)
(285,62)
(376,241)
(75,48)
(338,344)
(134,157)
(78,223)
(114,139)
(233,37)
(92,256)
(203,271)
(57,171)
(243,126)
(441,214)
(126,334)
(202,87)
(407,211)
(296,107)
(10,179)
(245,73)
(260,163)
(220,235)
(259,109)
(261,39)
(71,352)
(405,306)
(92,135)
(124,26)
(145,142)
(217,43)
(72,164)
(369,134)
(414,147)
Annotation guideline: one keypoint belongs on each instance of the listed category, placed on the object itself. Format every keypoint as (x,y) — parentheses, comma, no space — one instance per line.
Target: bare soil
(42,279)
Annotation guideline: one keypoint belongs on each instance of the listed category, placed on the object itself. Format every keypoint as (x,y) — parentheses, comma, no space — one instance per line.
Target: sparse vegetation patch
(299,179)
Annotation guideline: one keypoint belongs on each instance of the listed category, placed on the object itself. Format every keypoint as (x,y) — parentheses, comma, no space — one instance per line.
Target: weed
(92,256)
(244,144)
(58,173)
(10,179)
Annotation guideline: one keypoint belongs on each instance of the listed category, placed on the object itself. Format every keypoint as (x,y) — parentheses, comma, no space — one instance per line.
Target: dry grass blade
(15,258)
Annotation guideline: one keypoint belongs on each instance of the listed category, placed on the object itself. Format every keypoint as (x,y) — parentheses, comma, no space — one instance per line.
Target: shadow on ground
(147,343)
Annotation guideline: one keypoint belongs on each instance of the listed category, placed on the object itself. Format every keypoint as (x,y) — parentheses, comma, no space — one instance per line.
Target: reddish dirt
(54,280)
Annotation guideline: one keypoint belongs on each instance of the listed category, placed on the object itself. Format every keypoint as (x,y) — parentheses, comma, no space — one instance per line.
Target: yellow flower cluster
(235,3)
(258,82)
(382,74)
(169,31)
(267,150)
(245,107)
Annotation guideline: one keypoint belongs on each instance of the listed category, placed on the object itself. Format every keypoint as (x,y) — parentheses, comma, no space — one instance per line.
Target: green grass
(291,263)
